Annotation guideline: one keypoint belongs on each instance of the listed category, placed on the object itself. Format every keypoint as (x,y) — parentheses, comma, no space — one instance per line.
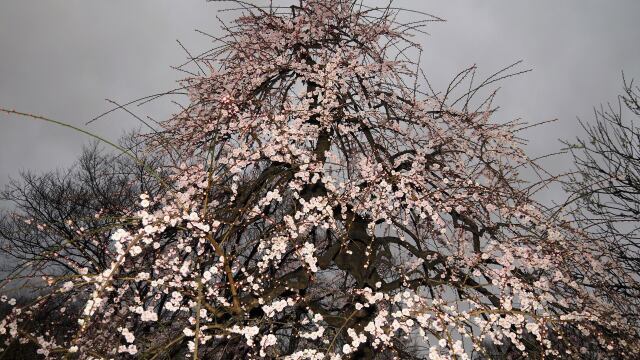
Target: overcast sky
(62,59)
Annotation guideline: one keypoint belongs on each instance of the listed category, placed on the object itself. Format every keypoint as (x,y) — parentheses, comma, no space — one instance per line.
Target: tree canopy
(313,201)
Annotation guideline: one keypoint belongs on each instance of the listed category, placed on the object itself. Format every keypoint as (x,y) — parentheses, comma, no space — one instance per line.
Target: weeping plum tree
(316,203)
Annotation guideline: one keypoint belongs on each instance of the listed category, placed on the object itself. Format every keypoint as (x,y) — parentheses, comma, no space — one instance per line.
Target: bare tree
(60,222)
(320,203)
(50,209)
(606,187)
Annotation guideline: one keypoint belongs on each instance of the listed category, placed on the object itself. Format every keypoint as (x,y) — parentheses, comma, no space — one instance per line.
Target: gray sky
(61,59)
